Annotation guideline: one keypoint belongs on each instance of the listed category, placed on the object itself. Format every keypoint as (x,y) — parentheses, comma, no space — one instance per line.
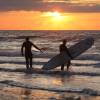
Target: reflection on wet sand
(15,93)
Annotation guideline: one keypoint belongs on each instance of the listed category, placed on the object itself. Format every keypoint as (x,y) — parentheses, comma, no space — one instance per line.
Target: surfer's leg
(62,67)
(27,62)
(68,65)
(30,62)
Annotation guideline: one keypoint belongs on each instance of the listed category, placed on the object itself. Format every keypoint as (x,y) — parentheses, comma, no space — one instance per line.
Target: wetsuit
(28,53)
(63,48)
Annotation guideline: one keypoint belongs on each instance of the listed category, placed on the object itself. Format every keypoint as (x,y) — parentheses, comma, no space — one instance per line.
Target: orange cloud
(37,21)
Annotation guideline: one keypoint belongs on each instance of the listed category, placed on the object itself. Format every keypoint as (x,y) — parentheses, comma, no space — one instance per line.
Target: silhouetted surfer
(63,48)
(28,52)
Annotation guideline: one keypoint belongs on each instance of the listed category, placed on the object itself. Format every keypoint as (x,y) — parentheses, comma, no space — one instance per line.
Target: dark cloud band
(39,5)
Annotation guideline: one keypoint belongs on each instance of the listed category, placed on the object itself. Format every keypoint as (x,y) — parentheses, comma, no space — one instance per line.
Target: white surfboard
(74,50)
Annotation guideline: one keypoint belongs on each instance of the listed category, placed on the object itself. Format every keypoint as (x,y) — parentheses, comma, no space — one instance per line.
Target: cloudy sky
(33,14)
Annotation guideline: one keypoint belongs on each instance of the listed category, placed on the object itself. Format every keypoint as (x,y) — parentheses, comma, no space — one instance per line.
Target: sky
(49,14)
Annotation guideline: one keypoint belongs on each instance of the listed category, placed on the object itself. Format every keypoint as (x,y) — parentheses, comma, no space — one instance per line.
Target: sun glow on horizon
(57,20)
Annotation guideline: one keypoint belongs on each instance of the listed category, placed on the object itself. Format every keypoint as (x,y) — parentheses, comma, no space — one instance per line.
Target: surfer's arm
(69,53)
(36,47)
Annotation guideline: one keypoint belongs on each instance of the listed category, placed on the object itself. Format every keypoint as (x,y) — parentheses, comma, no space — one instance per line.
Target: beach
(82,82)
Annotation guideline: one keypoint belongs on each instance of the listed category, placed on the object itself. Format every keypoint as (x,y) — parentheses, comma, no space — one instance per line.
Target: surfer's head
(27,38)
(64,41)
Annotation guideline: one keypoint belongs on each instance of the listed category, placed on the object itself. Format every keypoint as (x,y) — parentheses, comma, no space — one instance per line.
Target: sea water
(81,83)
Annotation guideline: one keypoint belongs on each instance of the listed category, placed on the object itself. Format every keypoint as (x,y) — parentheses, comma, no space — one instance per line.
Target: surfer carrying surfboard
(63,48)
(28,52)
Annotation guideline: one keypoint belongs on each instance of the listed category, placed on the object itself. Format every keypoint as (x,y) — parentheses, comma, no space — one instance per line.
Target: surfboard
(74,50)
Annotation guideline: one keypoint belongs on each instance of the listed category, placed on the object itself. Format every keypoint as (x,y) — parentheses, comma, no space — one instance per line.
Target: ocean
(81,83)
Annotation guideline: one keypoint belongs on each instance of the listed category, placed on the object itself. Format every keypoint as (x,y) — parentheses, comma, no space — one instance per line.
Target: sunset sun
(55,15)
(57,20)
